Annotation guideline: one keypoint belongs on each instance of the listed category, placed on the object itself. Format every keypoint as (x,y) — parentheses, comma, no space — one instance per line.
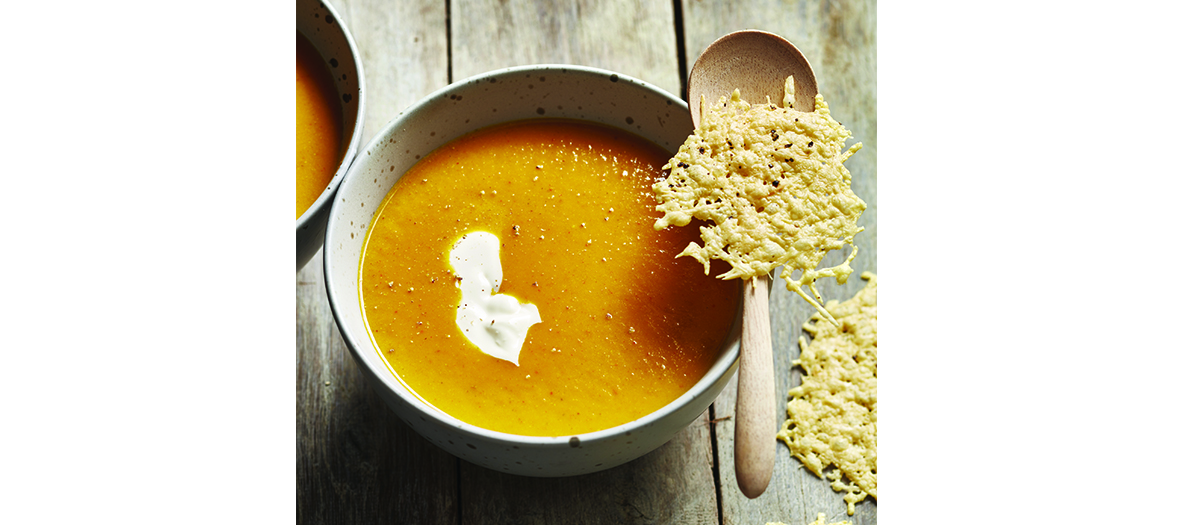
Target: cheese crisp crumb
(773,183)
(818,521)
(832,417)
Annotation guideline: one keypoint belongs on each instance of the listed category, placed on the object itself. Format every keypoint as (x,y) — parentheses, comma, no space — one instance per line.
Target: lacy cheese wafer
(773,184)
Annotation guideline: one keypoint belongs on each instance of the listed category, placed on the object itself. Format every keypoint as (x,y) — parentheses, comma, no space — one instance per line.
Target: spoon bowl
(757,63)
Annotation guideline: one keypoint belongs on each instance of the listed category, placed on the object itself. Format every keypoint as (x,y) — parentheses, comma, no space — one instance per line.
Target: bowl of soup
(329,118)
(493,267)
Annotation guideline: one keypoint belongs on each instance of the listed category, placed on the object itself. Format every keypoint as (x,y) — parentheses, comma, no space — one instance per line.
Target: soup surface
(626,327)
(318,123)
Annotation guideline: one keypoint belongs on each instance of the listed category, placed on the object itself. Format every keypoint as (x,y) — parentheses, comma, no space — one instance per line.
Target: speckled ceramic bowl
(317,20)
(548,91)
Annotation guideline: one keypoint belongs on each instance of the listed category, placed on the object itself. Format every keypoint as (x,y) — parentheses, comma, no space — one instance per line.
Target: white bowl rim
(726,358)
(327,196)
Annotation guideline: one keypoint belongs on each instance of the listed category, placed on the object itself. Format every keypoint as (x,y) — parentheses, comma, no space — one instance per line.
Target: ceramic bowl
(543,91)
(317,20)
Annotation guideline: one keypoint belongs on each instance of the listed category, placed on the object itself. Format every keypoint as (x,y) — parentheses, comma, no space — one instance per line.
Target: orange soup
(318,125)
(626,327)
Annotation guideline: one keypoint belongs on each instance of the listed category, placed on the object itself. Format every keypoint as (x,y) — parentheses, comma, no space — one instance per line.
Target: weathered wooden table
(357,463)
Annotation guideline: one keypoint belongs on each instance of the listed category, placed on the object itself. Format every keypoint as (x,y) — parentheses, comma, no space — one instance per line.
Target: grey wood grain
(839,39)
(356,462)
(403,46)
(633,37)
(673,484)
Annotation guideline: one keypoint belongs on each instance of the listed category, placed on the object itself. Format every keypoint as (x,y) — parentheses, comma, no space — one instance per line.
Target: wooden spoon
(757,63)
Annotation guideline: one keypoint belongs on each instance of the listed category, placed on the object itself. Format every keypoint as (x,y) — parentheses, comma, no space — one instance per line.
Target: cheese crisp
(832,417)
(773,183)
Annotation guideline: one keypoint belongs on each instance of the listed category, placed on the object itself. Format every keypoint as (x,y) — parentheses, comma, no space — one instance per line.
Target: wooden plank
(355,461)
(403,49)
(672,484)
(633,37)
(839,39)
(675,482)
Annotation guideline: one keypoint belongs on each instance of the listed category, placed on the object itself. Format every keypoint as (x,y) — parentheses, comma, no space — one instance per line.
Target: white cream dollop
(496,323)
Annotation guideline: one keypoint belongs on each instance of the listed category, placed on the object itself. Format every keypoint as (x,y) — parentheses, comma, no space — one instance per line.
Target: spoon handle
(753,439)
